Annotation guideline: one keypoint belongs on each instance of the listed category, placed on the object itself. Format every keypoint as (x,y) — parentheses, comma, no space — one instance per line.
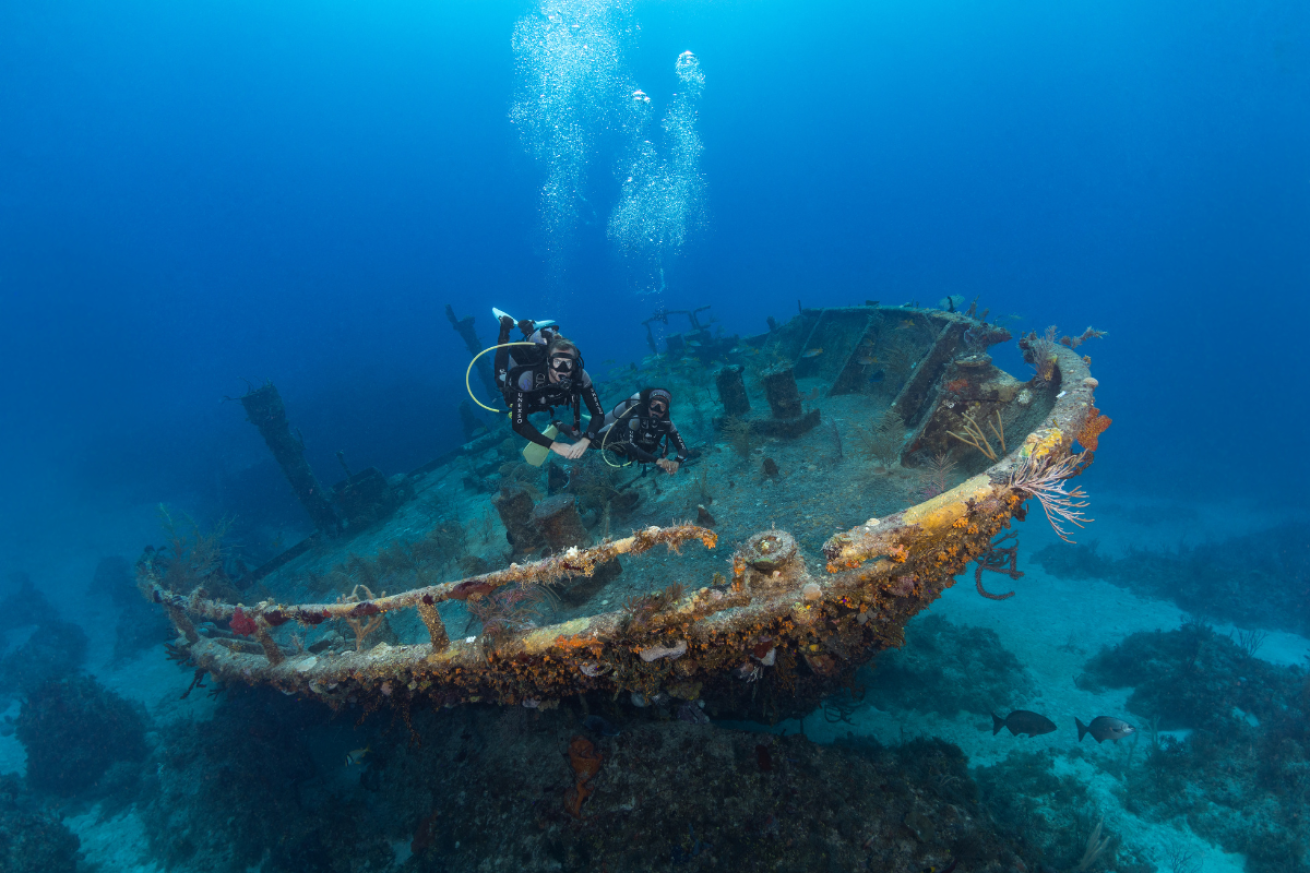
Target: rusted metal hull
(783,629)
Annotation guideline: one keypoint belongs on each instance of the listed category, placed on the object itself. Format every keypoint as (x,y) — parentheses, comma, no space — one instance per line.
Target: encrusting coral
(362,627)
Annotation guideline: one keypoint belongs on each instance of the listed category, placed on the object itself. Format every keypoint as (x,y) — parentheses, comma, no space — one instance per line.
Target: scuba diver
(540,377)
(635,428)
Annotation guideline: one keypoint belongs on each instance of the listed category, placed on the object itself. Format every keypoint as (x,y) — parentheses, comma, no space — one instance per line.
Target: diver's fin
(525,323)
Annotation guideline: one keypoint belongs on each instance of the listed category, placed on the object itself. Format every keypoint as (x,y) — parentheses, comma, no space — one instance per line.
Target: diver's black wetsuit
(528,389)
(631,431)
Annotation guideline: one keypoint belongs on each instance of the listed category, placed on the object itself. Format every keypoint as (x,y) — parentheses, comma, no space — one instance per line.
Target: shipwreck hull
(769,638)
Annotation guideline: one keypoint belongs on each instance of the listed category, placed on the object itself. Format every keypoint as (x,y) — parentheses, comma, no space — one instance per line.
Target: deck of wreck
(854,461)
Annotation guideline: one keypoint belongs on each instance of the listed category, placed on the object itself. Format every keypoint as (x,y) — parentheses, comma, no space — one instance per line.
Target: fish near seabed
(811,353)
(1021,721)
(1105,727)
(357,756)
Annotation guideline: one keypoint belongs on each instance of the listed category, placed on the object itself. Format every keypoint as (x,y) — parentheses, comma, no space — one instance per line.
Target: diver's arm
(502,353)
(637,453)
(676,439)
(571,452)
(576,450)
(592,399)
(672,438)
(522,426)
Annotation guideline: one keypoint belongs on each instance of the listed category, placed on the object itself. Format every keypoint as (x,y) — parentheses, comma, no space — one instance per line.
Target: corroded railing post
(182,622)
(269,645)
(436,629)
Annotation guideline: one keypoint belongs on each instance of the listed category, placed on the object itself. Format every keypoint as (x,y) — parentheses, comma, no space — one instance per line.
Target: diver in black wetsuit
(541,377)
(637,426)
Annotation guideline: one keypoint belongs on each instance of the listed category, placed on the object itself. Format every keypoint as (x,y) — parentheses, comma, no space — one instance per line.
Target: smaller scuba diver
(539,377)
(636,427)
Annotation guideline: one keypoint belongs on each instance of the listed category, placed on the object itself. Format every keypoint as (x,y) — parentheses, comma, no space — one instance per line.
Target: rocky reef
(32,838)
(74,729)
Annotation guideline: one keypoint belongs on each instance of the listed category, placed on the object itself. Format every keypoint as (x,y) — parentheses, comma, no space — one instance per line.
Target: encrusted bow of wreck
(783,626)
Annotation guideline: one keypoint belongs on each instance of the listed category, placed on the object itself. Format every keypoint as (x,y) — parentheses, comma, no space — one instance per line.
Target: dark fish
(692,713)
(598,725)
(1021,721)
(1105,727)
(877,376)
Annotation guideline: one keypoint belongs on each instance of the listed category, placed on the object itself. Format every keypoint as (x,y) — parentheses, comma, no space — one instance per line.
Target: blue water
(197,197)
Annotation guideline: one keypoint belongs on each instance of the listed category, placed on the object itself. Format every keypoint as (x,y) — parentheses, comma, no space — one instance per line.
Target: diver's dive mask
(658,404)
(563,364)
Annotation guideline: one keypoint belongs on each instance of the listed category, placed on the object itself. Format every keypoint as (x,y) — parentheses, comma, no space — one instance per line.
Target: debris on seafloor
(585,761)
(732,391)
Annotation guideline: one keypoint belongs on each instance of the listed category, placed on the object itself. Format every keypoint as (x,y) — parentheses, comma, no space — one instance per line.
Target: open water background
(194,197)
